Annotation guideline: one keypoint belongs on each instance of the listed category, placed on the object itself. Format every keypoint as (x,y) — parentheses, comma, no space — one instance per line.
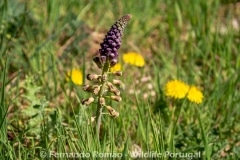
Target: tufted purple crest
(112,42)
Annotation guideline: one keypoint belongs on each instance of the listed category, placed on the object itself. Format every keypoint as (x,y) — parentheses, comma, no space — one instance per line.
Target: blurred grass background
(194,41)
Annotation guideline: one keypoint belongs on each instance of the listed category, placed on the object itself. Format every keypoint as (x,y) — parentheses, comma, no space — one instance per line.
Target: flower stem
(98,117)
(100,94)
(176,116)
(204,135)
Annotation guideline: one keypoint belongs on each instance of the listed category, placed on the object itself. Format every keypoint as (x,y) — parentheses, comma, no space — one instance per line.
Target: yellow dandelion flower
(195,95)
(116,68)
(76,76)
(176,89)
(179,90)
(134,58)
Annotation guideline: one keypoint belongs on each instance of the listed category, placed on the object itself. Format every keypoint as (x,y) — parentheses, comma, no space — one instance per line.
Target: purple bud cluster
(112,41)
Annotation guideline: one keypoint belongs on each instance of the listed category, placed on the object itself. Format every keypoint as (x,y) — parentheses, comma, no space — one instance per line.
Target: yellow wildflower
(179,90)
(116,68)
(195,95)
(176,89)
(76,76)
(134,58)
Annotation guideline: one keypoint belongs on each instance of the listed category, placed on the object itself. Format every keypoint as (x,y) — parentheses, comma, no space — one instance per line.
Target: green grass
(193,41)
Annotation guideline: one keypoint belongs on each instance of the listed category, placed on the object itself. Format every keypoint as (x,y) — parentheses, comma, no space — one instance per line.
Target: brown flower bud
(98,62)
(112,112)
(92,77)
(117,82)
(96,89)
(87,101)
(86,87)
(118,73)
(91,88)
(109,85)
(116,98)
(116,92)
(102,101)
(113,89)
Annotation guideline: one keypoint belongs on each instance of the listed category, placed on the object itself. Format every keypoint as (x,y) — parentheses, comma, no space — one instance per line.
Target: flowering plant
(103,88)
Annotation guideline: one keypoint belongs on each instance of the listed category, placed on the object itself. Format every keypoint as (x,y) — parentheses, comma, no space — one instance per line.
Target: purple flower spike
(112,41)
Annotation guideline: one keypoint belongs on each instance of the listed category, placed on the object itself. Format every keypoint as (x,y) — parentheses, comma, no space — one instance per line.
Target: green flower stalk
(103,88)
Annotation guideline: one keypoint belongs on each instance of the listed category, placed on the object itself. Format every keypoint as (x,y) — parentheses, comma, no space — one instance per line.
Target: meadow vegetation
(180,62)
